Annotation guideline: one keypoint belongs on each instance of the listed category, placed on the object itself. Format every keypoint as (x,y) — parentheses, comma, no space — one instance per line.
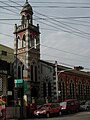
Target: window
(63,90)
(22,71)
(24,41)
(35,73)
(4,53)
(35,42)
(49,89)
(44,89)
(32,72)
(19,72)
(23,18)
(28,18)
(18,43)
(71,90)
(30,41)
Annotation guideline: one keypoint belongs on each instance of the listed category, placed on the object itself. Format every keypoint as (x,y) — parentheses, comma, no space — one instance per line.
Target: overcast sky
(64,27)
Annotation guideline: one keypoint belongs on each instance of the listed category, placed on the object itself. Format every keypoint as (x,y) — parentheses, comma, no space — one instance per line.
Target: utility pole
(56,80)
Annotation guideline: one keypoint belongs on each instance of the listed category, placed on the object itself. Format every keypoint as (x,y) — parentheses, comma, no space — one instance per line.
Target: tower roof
(27,7)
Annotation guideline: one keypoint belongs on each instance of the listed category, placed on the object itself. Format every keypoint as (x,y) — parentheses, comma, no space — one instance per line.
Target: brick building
(74,84)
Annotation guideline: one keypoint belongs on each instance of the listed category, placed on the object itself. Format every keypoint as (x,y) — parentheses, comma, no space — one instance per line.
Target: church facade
(40,78)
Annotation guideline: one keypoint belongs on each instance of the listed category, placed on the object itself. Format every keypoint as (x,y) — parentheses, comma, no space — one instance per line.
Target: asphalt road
(76,116)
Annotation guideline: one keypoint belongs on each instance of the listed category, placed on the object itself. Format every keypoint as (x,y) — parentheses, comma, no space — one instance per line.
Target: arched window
(59,88)
(22,71)
(23,19)
(63,90)
(49,89)
(19,72)
(35,42)
(28,18)
(24,41)
(79,90)
(32,72)
(30,41)
(71,89)
(35,73)
(44,89)
(18,43)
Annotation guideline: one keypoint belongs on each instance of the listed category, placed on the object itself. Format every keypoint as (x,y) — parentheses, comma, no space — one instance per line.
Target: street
(77,116)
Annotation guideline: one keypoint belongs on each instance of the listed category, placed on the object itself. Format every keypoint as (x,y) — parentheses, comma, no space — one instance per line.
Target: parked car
(70,106)
(82,105)
(30,110)
(48,110)
(85,105)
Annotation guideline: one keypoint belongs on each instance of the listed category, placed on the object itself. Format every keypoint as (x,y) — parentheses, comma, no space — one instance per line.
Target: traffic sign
(17,81)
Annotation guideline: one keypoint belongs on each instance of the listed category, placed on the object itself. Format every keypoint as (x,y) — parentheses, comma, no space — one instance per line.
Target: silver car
(85,106)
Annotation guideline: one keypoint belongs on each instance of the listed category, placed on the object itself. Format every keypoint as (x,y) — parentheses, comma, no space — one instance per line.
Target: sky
(64,28)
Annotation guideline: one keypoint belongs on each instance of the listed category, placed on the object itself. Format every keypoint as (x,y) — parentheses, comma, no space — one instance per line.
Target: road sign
(17,81)
(25,87)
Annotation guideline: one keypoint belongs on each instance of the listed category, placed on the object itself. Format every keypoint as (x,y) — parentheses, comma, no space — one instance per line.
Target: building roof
(64,69)
(4,46)
(27,7)
(53,65)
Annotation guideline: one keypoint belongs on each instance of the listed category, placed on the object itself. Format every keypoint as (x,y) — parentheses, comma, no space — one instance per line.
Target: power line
(9,5)
(53,61)
(6,35)
(71,17)
(74,31)
(64,58)
(6,23)
(56,21)
(77,24)
(9,10)
(49,6)
(67,31)
(65,21)
(53,2)
(15,2)
(65,26)
(53,48)
(64,51)
(8,19)
(7,13)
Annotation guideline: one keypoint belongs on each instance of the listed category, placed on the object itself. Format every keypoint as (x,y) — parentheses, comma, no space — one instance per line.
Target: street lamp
(57,74)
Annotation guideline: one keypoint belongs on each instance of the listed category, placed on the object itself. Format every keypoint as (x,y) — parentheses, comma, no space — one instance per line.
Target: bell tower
(26,13)
(27,50)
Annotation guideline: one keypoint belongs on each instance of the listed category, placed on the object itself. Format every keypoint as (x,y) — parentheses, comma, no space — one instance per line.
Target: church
(39,80)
